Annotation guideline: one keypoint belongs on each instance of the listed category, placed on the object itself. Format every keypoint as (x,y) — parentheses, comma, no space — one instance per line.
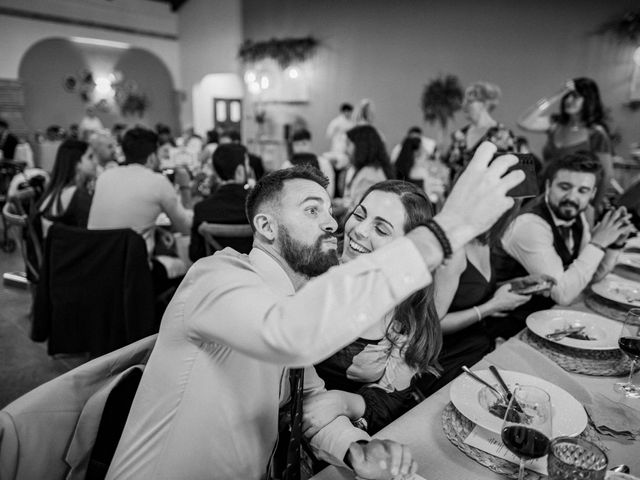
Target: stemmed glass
(629,343)
(527,424)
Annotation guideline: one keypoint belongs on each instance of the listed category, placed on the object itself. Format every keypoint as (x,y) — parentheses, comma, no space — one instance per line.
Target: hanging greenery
(134,103)
(285,51)
(441,99)
(624,29)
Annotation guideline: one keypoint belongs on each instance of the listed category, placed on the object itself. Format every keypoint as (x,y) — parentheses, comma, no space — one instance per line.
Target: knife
(505,387)
(559,335)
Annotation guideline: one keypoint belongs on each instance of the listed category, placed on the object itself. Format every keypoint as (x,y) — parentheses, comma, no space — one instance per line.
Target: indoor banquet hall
(329,240)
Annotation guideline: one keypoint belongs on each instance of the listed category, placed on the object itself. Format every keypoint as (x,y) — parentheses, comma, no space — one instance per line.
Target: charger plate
(457,428)
(601,363)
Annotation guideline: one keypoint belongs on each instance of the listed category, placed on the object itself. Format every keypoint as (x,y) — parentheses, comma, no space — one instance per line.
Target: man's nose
(330,224)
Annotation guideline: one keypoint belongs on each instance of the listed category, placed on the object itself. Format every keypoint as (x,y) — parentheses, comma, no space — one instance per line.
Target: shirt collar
(271,271)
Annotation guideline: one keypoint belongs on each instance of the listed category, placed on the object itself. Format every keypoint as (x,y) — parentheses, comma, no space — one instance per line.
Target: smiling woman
(370,380)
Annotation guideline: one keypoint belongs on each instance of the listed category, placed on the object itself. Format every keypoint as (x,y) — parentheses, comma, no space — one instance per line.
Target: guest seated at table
(369,165)
(67,198)
(133,195)
(232,136)
(551,236)
(105,148)
(369,380)
(226,203)
(468,299)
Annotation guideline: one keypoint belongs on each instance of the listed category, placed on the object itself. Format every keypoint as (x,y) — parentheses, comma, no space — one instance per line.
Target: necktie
(566,233)
(296,382)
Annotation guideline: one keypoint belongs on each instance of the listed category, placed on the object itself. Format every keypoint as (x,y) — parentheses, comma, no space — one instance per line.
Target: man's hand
(479,197)
(322,408)
(615,224)
(381,459)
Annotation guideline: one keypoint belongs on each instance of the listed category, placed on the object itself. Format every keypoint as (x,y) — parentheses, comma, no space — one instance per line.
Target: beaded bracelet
(437,230)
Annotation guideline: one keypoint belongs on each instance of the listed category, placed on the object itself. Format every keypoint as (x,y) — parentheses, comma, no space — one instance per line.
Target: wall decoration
(284,51)
(441,99)
(81,83)
(625,29)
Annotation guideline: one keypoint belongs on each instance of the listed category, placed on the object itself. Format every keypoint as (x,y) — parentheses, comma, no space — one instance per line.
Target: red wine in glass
(525,442)
(527,424)
(629,343)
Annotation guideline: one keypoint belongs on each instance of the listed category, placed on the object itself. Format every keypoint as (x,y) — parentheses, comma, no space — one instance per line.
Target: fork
(559,335)
(485,383)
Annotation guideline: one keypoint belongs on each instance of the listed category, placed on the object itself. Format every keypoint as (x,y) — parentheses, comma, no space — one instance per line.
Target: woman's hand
(528,281)
(504,300)
(322,408)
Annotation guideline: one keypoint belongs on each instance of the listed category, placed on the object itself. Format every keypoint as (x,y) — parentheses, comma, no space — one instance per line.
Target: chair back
(18,211)
(95,292)
(224,230)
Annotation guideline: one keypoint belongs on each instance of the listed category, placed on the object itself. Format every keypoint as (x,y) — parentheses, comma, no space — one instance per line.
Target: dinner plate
(602,332)
(630,259)
(469,396)
(618,289)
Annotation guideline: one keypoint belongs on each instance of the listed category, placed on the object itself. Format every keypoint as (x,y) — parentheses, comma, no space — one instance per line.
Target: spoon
(487,384)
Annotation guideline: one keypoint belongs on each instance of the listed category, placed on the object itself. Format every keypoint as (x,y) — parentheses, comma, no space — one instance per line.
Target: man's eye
(312,210)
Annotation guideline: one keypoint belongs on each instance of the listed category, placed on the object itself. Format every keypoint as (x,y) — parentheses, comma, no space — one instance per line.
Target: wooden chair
(222,230)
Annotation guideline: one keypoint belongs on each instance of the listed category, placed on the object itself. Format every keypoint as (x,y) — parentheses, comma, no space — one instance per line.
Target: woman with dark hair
(370,379)
(580,126)
(369,165)
(413,165)
(67,198)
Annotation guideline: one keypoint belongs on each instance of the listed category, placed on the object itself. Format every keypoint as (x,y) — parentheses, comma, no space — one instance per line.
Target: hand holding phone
(526,163)
(532,284)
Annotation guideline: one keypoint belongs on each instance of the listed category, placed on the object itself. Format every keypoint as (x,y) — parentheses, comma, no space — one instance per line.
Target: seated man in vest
(226,203)
(551,236)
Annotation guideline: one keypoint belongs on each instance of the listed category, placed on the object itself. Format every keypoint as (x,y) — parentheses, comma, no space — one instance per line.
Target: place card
(490,442)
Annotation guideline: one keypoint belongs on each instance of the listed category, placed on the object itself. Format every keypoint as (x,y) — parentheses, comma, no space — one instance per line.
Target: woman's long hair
(63,175)
(407,157)
(369,149)
(592,110)
(415,318)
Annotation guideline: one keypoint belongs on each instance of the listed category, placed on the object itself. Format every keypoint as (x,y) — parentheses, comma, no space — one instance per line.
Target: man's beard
(557,210)
(309,260)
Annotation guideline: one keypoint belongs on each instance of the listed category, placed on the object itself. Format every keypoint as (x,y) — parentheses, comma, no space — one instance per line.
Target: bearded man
(551,235)
(240,327)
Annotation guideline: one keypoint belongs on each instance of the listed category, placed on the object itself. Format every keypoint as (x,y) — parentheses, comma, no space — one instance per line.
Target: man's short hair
(269,187)
(583,161)
(346,107)
(137,144)
(3,123)
(226,159)
(301,135)
(414,131)
(232,135)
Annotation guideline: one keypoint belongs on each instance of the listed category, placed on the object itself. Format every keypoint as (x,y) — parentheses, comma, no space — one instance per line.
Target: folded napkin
(608,414)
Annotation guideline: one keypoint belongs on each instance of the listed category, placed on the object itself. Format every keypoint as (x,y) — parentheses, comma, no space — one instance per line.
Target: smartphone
(531,289)
(526,163)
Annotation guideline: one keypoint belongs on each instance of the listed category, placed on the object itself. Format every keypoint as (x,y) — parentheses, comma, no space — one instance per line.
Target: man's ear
(152,161)
(240,175)
(265,225)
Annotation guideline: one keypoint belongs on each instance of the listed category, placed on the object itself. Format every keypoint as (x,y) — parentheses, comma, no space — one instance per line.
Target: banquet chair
(69,427)
(222,230)
(95,292)
(15,213)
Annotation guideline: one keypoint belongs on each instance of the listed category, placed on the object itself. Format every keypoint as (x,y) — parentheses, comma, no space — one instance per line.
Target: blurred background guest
(8,141)
(226,203)
(579,126)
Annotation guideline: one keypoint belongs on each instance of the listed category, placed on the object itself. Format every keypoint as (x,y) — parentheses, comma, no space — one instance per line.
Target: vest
(507,268)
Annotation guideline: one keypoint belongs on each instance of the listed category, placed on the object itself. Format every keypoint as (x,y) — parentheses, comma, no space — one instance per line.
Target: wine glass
(629,343)
(527,424)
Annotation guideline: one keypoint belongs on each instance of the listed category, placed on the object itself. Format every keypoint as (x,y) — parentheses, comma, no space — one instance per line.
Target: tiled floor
(24,364)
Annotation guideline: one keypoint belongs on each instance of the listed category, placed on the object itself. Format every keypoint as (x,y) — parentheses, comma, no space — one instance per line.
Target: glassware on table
(526,429)
(570,458)
(629,343)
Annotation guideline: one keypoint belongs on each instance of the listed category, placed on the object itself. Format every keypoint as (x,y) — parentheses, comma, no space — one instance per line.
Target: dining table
(421,428)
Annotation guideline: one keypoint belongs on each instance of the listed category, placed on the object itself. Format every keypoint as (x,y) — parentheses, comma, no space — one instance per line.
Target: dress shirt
(207,405)
(529,240)
(132,196)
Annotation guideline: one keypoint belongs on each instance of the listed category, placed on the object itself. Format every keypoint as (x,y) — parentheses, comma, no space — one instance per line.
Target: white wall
(210,35)
(215,85)
(17,35)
